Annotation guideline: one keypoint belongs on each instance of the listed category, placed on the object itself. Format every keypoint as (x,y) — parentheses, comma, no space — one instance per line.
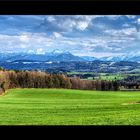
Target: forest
(36,79)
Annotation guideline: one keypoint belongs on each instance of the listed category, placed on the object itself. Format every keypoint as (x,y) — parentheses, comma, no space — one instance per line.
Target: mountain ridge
(58,55)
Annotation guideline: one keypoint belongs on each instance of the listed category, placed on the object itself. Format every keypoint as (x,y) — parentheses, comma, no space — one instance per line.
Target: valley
(64,62)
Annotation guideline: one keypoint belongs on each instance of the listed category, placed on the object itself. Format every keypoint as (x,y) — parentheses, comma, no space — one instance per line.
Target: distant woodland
(35,79)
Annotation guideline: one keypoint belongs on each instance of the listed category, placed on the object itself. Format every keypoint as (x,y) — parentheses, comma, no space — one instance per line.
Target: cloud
(69,23)
(23,42)
(109,34)
(138,21)
(24,38)
(31,51)
(40,51)
(56,35)
(122,32)
(41,43)
(66,23)
(23,46)
(50,19)
(126,25)
(130,16)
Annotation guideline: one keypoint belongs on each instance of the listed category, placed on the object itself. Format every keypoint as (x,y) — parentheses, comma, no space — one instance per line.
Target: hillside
(68,107)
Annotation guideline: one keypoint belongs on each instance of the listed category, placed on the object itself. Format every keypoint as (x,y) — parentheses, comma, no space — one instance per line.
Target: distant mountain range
(58,55)
(132,58)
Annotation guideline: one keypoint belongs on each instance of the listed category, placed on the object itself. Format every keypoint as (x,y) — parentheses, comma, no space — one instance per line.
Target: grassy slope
(68,107)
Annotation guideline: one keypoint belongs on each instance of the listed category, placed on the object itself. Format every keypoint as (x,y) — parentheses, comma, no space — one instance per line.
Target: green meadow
(69,107)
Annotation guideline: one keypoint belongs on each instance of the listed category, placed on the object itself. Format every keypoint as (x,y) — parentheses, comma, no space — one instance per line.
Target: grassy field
(111,77)
(69,107)
(106,76)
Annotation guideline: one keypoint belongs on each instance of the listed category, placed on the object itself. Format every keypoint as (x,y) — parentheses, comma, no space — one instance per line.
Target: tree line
(36,79)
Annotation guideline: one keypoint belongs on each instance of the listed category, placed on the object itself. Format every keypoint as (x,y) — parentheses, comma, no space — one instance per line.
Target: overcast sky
(81,35)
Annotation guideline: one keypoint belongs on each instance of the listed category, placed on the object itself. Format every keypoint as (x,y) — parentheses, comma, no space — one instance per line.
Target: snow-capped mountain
(56,52)
(129,57)
(88,58)
(48,56)
(59,55)
(111,58)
